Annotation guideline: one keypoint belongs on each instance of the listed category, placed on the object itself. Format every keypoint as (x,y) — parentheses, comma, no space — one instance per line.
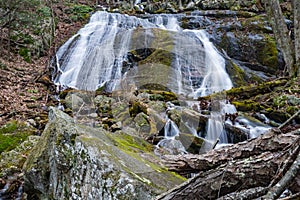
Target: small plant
(44,11)
(34,91)
(3,66)
(25,53)
(79,12)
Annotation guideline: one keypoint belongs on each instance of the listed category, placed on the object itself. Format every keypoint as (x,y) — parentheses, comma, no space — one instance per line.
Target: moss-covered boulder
(76,161)
(13,134)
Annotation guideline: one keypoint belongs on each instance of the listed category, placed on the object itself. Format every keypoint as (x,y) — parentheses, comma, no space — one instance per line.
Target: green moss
(291,110)
(159,56)
(237,75)
(12,161)
(245,92)
(268,110)
(12,134)
(25,53)
(134,146)
(131,143)
(280,101)
(268,53)
(160,95)
(247,105)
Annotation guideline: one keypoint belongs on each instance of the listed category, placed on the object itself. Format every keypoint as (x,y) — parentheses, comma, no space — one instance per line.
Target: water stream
(100,55)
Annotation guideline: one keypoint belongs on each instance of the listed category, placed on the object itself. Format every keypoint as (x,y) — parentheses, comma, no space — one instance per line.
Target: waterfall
(216,78)
(95,57)
(171,130)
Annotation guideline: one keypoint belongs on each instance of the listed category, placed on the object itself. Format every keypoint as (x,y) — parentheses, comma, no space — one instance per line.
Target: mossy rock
(141,121)
(160,94)
(247,105)
(268,53)
(136,107)
(246,92)
(154,86)
(12,161)
(279,116)
(123,164)
(257,24)
(191,143)
(13,134)
(237,75)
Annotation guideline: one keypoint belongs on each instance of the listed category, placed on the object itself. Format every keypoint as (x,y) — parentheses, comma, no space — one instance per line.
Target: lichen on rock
(80,162)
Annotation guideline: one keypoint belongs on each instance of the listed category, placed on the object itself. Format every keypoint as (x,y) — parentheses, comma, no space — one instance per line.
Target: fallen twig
(290,119)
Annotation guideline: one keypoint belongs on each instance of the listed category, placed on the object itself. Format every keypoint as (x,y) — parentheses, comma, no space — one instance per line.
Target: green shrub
(79,12)
(25,53)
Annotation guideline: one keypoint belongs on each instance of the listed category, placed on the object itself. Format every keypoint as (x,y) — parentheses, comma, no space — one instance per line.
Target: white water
(171,130)
(216,78)
(95,57)
(216,133)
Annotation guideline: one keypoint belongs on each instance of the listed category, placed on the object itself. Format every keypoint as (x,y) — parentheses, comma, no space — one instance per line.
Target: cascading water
(216,78)
(95,57)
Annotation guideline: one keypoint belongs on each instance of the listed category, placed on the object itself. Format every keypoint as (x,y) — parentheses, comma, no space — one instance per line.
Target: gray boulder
(73,161)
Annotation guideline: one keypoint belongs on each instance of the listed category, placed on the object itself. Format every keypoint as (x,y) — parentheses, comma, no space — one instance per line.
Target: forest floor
(22,96)
(26,89)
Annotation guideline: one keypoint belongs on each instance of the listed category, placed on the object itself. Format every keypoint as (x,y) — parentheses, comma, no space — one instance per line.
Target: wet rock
(175,115)
(236,134)
(278,116)
(191,143)
(193,121)
(170,146)
(2,183)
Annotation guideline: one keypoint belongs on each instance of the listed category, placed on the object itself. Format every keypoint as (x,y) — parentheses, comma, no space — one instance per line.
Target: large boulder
(73,161)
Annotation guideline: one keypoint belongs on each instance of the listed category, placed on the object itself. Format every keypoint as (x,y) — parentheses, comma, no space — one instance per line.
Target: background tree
(290,49)
(296,8)
(17,17)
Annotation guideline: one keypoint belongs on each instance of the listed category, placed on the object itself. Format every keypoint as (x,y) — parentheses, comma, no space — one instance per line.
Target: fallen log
(245,170)
(270,142)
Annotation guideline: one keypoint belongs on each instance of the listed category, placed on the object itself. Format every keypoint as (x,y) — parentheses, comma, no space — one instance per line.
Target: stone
(73,161)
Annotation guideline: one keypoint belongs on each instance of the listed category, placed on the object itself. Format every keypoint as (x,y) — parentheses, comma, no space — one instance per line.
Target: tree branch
(277,189)
(290,119)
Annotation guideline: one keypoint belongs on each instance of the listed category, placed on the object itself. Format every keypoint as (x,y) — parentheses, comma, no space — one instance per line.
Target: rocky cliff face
(239,29)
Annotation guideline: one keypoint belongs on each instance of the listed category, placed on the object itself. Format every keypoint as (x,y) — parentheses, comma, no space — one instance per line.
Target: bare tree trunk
(180,4)
(296,9)
(272,141)
(281,33)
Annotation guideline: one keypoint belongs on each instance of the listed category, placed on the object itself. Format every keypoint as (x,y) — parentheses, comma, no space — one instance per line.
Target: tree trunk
(269,142)
(281,33)
(180,4)
(255,165)
(296,9)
